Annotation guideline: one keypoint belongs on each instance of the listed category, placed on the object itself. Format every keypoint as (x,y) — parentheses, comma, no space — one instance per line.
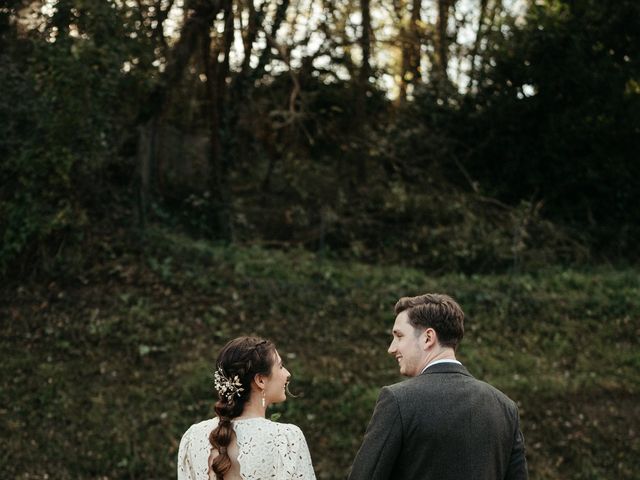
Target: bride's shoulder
(269,427)
(201,428)
(290,430)
(289,427)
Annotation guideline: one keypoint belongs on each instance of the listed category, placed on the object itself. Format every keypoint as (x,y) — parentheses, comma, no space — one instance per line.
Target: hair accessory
(227,387)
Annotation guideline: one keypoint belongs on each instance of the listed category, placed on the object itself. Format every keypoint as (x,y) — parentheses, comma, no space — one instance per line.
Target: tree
(569,77)
(66,126)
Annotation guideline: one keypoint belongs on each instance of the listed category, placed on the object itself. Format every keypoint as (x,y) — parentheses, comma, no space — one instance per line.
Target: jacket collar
(446,368)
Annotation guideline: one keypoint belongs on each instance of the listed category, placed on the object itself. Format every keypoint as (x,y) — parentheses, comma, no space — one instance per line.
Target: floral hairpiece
(227,387)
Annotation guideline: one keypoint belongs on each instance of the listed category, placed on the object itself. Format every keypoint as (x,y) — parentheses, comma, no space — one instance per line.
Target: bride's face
(275,390)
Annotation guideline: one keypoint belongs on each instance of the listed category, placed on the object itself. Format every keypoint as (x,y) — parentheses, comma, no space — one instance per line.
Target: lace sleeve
(297,459)
(194,450)
(185,466)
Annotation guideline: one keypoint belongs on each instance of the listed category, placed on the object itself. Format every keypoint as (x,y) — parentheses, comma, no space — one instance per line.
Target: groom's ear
(430,337)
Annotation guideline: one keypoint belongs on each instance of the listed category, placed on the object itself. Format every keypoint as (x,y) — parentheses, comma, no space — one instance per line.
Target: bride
(240,443)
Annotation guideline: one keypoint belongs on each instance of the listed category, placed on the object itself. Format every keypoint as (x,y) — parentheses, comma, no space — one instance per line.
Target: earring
(264,402)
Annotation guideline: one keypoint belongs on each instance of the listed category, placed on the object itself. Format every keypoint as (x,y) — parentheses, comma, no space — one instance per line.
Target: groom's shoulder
(406,387)
(426,383)
(497,394)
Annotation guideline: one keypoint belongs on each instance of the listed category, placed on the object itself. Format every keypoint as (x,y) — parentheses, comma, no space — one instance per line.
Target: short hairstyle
(437,311)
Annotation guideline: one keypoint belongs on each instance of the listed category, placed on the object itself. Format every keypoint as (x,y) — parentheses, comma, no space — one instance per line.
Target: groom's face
(407,346)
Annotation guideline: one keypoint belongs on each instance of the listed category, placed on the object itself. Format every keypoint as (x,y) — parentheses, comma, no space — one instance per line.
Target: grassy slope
(102,373)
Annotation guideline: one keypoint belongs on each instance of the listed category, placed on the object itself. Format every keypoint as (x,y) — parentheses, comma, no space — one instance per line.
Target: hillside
(104,369)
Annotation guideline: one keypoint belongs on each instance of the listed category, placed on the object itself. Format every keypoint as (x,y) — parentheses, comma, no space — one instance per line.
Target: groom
(441,423)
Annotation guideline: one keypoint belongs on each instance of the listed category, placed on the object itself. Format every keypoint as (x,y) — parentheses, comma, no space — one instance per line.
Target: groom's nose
(391,348)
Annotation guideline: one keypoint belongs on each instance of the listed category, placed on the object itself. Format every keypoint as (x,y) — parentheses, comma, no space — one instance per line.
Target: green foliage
(431,213)
(35,200)
(60,109)
(534,165)
(103,374)
(561,119)
(106,365)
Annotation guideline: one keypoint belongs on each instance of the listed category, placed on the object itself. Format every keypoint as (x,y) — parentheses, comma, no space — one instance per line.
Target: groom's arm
(382,441)
(517,469)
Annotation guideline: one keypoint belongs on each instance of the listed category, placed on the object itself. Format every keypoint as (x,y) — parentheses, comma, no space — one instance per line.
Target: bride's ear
(260,381)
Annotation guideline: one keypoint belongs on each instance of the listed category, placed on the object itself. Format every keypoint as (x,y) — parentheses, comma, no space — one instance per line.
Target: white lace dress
(266,450)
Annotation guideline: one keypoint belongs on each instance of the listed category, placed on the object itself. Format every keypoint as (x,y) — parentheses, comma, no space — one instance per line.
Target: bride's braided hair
(243,357)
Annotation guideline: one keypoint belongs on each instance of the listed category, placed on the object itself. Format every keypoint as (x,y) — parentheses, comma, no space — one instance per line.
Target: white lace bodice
(266,450)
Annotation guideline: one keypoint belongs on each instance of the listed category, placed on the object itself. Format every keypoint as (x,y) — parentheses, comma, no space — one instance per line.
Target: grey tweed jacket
(442,425)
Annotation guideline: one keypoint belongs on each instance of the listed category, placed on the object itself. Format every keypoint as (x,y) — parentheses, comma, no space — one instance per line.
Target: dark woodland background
(174,173)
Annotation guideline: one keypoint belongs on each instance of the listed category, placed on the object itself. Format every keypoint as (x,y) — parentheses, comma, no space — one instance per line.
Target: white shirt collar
(435,362)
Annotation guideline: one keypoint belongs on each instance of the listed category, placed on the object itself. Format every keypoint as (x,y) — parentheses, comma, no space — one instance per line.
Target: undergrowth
(103,371)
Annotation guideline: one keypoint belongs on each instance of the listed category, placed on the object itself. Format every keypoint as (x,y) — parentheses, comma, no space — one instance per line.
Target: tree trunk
(410,45)
(441,45)
(365,44)
(240,91)
(150,118)
(476,43)
(280,16)
(493,12)
(362,87)
(216,74)
(415,45)
(399,9)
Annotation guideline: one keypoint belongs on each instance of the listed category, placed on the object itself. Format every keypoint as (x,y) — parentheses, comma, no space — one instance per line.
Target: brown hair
(437,311)
(244,357)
